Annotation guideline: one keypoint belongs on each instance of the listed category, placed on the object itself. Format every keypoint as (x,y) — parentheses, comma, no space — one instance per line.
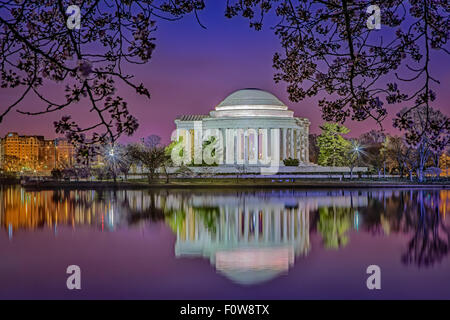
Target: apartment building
(34,153)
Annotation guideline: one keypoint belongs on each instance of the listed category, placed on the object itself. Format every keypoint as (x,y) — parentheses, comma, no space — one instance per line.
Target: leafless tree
(428,133)
(150,154)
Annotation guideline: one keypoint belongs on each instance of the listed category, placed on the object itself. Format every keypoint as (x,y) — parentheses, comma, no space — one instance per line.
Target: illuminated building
(21,153)
(65,153)
(444,164)
(252,126)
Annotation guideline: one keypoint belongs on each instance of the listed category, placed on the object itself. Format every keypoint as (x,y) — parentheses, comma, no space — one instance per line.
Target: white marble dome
(255,98)
(255,127)
(251,102)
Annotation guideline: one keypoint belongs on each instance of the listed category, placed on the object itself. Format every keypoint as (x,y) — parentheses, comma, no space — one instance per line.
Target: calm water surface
(230,244)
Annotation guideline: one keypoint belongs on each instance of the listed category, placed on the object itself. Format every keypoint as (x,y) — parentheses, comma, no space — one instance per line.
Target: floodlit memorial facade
(250,127)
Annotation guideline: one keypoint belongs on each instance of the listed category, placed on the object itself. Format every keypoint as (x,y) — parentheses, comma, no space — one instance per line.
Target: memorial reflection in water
(250,236)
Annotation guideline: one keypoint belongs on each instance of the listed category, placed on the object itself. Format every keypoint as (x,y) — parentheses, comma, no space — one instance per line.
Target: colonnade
(247,146)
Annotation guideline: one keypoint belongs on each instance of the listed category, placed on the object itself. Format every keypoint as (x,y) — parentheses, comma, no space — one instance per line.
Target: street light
(357,148)
(112,155)
(355,152)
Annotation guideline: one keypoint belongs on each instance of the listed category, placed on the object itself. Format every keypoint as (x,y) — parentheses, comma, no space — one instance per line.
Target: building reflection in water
(251,237)
(20,209)
(248,236)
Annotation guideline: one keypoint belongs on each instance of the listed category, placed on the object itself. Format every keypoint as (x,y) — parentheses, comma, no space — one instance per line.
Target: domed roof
(251,103)
(244,98)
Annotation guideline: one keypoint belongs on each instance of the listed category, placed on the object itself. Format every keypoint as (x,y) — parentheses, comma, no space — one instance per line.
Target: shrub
(56,174)
(291,162)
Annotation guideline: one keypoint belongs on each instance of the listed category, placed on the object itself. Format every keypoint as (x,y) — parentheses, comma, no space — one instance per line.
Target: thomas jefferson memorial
(250,127)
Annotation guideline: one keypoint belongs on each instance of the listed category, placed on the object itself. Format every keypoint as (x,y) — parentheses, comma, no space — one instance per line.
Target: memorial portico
(251,126)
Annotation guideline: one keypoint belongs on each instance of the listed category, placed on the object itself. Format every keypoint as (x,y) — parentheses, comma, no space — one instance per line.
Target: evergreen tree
(333,146)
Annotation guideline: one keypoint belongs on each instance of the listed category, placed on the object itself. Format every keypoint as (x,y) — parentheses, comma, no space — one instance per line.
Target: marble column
(302,147)
(230,146)
(283,144)
(287,146)
(275,148)
(291,144)
(265,146)
(306,144)
(187,153)
(240,152)
(246,146)
(305,147)
(252,146)
(256,148)
(198,142)
(223,137)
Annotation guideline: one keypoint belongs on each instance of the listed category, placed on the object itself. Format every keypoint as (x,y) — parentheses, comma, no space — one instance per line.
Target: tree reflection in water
(147,211)
(334,224)
(420,213)
(431,240)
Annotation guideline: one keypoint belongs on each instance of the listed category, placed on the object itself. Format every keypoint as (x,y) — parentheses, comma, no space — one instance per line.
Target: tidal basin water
(225,244)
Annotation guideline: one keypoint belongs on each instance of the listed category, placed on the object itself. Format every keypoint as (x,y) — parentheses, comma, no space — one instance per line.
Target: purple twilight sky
(193,69)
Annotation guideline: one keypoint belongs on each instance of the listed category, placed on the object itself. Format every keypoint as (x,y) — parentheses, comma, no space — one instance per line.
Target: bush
(57,174)
(204,164)
(289,162)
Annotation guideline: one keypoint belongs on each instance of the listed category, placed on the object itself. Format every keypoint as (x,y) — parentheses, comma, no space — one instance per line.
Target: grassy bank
(239,183)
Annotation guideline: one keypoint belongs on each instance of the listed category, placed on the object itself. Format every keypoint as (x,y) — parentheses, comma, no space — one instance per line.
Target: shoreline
(220,184)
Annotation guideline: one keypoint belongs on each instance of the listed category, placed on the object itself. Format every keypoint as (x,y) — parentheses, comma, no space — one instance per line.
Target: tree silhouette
(328,48)
(150,154)
(396,152)
(373,156)
(39,46)
(428,138)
